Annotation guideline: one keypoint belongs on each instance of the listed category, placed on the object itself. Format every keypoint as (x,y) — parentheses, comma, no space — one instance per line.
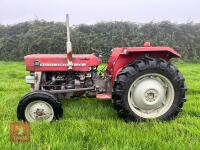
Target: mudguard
(121,57)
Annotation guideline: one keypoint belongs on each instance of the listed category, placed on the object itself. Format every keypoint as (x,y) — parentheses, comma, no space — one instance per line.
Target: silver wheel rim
(151,95)
(39,111)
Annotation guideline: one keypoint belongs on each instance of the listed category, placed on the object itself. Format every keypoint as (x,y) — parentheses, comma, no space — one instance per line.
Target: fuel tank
(58,62)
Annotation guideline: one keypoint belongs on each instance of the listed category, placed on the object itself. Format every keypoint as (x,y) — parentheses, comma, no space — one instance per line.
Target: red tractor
(141,82)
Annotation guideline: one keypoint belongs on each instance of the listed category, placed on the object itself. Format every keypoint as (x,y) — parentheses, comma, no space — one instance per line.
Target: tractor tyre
(149,88)
(39,106)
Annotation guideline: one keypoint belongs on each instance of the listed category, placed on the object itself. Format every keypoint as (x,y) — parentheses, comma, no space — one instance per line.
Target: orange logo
(19,132)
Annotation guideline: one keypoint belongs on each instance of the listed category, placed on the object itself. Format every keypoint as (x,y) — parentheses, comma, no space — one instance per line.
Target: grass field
(91,124)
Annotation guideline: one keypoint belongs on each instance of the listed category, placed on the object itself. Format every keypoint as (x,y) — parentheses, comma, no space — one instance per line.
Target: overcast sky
(92,11)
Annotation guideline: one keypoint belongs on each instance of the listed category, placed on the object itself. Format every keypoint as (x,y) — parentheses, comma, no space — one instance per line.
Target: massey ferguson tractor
(140,81)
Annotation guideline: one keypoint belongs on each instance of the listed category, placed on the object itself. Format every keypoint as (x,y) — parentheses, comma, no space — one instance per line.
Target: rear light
(147,44)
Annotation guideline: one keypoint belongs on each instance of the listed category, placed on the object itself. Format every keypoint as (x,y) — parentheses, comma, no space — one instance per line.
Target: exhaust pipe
(68,45)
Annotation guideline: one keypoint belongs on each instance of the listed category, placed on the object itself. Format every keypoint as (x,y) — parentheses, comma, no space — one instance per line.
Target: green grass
(91,124)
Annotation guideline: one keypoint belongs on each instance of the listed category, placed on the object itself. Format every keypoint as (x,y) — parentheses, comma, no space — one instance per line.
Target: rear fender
(166,52)
(123,56)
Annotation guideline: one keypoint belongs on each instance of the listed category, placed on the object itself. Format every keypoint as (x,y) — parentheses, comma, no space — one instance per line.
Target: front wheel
(149,89)
(39,106)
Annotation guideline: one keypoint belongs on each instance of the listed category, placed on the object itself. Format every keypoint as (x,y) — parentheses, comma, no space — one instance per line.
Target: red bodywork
(123,56)
(58,62)
(119,58)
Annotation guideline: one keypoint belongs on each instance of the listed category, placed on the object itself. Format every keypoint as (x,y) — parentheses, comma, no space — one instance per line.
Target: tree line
(40,36)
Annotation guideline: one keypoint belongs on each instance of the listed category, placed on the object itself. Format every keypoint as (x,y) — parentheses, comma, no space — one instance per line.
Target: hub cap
(151,95)
(39,111)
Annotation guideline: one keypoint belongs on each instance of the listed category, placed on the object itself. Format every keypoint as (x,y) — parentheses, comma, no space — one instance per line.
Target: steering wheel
(99,52)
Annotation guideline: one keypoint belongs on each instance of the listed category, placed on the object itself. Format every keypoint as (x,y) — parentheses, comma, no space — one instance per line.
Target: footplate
(104,96)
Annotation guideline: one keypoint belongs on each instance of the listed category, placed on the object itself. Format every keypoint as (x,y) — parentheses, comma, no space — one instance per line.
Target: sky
(93,11)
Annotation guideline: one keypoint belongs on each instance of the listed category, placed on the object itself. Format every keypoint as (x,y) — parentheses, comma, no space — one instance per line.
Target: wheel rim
(151,95)
(39,111)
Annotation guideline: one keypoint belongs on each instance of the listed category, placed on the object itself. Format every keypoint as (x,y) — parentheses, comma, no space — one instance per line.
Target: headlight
(30,79)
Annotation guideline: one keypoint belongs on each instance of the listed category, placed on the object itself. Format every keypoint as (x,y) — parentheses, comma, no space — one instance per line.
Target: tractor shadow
(88,108)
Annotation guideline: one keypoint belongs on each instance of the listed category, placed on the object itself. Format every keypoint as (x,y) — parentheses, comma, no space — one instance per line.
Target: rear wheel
(39,106)
(149,89)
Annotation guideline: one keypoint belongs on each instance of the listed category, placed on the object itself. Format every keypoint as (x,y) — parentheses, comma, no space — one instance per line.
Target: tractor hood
(58,62)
